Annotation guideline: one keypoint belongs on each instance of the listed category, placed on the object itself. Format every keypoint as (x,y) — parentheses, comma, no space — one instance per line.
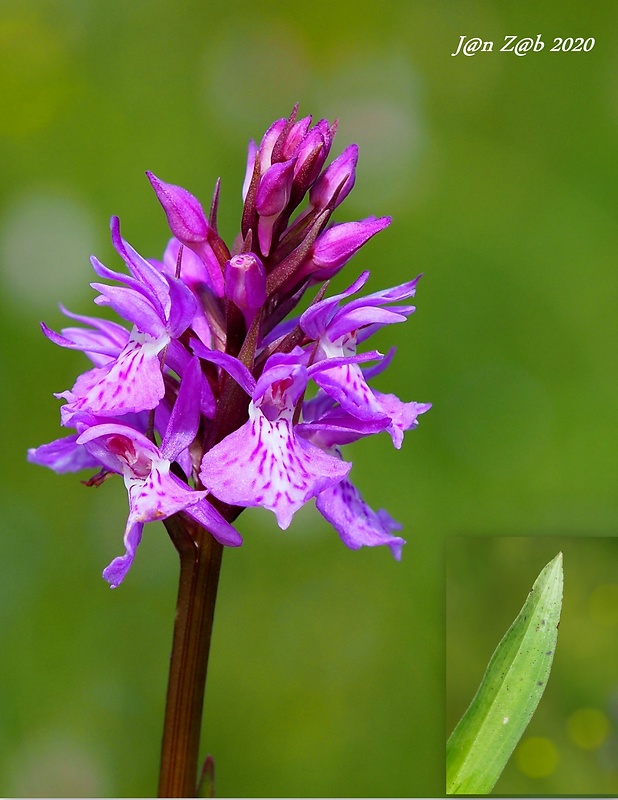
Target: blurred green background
(571,744)
(327,672)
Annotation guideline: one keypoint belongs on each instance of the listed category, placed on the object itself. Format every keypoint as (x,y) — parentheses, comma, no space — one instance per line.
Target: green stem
(200,562)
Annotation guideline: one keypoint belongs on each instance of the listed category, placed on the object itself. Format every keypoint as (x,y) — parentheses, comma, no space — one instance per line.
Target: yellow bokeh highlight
(603,604)
(537,757)
(588,728)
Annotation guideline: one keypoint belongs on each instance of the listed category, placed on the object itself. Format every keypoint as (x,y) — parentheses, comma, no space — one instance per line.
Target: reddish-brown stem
(200,562)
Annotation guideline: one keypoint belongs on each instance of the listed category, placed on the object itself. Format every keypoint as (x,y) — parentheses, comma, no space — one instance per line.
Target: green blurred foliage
(571,744)
(327,673)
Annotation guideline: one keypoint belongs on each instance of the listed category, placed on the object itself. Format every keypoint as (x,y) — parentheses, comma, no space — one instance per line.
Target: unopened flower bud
(274,188)
(340,174)
(252,151)
(245,284)
(184,212)
(268,142)
(271,199)
(311,155)
(189,225)
(336,246)
(294,137)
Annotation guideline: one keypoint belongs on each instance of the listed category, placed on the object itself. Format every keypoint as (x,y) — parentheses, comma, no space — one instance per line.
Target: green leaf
(486,735)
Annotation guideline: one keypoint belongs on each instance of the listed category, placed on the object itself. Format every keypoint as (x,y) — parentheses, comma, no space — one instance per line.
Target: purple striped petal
(132,383)
(347,385)
(264,463)
(357,524)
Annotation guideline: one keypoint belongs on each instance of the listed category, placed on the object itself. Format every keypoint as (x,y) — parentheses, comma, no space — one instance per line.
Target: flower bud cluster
(216,397)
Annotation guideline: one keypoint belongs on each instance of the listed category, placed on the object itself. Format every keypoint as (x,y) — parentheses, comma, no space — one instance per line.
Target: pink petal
(265,464)
(357,523)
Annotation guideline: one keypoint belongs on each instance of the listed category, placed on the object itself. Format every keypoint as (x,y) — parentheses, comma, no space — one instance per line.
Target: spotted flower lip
(212,396)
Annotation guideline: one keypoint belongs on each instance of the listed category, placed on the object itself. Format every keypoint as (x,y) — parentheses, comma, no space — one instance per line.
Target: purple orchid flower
(337,330)
(160,308)
(155,492)
(265,463)
(329,426)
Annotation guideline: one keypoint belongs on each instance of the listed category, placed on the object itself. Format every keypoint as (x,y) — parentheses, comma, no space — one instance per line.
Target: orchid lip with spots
(214,396)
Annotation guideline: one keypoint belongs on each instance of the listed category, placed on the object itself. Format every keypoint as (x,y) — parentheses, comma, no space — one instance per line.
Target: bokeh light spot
(253,74)
(588,728)
(56,765)
(377,98)
(603,604)
(46,239)
(537,757)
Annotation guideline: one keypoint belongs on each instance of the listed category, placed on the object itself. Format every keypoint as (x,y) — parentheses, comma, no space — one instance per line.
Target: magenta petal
(184,212)
(148,278)
(316,319)
(107,339)
(131,305)
(63,455)
(356,523)
(95,344)
(116,572)
(210,519)
(214,274)
(185,418)
(183,307)
(193,271)
(264,463)
(403,416)
(231,365)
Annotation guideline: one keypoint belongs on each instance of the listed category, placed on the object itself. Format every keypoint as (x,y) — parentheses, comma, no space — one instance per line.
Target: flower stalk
(200,562)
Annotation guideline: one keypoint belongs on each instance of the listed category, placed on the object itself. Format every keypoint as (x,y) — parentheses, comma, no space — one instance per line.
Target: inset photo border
(570,746)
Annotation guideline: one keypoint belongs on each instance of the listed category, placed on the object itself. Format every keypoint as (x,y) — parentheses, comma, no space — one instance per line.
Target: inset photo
(532,665)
